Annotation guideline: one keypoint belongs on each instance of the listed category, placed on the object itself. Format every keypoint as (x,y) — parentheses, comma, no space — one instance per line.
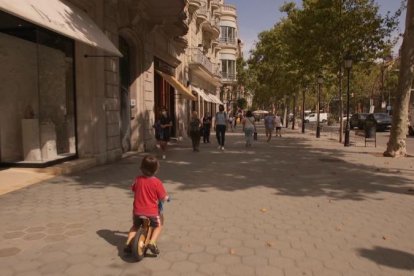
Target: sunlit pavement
(294,206)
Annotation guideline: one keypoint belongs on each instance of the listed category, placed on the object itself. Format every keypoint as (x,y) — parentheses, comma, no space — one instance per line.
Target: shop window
(37,110)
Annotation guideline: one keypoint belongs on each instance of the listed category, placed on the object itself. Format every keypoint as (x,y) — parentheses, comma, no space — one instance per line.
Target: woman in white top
(220,125)
(249,127)
(278,125)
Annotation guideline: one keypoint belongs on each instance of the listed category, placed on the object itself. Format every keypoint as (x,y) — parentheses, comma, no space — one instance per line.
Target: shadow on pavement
(389,257)
(118,239)
(289,165)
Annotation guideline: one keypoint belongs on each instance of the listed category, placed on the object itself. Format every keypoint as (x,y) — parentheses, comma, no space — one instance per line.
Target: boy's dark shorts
(154,221)
(278,128)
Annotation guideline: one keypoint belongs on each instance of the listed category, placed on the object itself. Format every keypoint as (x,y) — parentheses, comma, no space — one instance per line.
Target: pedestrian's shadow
(389,257)
(118,239)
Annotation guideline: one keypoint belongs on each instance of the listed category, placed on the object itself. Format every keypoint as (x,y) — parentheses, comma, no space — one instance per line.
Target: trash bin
(370,128)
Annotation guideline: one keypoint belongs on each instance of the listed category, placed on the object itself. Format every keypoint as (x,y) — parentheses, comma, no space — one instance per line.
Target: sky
(255,16)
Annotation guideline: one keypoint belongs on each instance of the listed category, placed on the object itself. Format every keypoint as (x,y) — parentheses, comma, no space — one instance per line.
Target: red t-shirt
(148,190)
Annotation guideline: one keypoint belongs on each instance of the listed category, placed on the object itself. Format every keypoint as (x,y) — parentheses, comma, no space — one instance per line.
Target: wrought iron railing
(228,40)
(230,76)
(197,56)
(230,8)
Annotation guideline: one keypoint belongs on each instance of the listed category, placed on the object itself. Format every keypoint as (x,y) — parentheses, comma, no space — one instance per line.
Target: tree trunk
(341,105)
(285,114)
(294,111)
(396,146)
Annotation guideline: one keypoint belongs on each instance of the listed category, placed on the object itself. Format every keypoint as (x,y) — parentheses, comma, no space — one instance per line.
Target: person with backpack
(195,132)
(206,127)
(249,127)
(220,126)
(162,130)
(269,123)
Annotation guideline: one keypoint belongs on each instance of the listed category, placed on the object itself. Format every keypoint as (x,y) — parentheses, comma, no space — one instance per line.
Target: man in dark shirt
(206,128)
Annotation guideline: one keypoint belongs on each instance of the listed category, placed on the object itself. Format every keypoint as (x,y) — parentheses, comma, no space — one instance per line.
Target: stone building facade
(209,62)
(70,92)
(87,79)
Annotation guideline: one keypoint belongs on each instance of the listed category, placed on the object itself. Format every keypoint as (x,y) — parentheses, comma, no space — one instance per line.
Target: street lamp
(303,109)
(348,66)
(318,127)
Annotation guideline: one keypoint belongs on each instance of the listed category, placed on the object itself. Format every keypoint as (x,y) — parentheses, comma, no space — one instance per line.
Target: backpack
(195,125)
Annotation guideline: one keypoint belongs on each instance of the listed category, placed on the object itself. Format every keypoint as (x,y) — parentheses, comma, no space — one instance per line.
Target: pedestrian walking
(195,131)
(206,127)
(235,120)
(269,123)
(249,127)
(220,126)
(163,130)
(278,125)
(231,119)
(148,192)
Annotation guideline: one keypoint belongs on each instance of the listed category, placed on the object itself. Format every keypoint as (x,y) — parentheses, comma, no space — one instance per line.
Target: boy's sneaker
(163,157)
(222,148)
(219,147)
(153,248)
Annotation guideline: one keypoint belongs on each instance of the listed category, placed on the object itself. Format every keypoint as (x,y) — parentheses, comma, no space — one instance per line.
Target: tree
(242,103)
(396,146)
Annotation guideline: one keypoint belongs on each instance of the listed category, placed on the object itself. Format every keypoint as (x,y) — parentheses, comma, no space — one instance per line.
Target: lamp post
(303,109)
(318,126)
(348,66)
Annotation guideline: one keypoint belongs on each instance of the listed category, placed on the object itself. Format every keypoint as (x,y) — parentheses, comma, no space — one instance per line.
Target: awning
(215,99)
(201,93)
(178,86)
(62,18)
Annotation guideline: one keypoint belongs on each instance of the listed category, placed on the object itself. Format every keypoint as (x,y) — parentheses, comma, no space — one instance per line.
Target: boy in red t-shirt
(148,191)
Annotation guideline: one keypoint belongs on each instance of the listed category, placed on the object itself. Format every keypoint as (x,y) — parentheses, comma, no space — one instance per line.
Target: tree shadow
(389,257)
(117,239)
(288,165)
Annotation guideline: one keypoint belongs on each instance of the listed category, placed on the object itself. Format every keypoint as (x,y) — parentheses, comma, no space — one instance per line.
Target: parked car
(357,120)
(382,120)
(312,117)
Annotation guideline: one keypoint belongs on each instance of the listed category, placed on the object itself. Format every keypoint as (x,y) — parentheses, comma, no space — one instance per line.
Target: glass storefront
(37,107)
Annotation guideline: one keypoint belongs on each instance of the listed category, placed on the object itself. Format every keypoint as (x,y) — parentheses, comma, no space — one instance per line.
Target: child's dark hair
(149,165)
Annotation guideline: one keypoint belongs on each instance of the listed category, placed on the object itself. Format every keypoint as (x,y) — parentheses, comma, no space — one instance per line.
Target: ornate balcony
(215,4)
(228,42)
(201,66)
(202,13)
(227,9)
(217,70)
(212,27)
(197,57)
(194,5)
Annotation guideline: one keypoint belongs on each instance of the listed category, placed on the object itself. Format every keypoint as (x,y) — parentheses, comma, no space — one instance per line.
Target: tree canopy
(313,40)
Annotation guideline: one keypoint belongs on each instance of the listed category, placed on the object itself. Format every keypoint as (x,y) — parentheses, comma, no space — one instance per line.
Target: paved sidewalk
(294,206)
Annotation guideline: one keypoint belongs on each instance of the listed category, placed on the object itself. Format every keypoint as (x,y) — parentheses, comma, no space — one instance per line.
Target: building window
(37,110)
(228,34)
(228,69)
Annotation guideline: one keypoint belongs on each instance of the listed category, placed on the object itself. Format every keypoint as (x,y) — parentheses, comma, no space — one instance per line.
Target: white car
(323,117)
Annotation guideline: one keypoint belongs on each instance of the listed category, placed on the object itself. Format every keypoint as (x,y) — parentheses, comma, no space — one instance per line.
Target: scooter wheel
(138,245)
